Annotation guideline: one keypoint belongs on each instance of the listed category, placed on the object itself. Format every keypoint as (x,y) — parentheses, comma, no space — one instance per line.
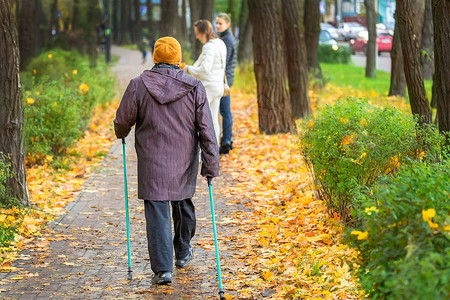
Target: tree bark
(200,10)
(169,17)
(183,25)
(441,25)
(312,32)
(28,30)
(296,57)
(151,32)
(274,107)
(124,33)
(426,45)
(115,21)
(371,52)
(196,46)
(76,15)
(137,22)
(413,71)
(54,18)
(245,49)
(398,80)
(232,5)
(11,112)
(93,16)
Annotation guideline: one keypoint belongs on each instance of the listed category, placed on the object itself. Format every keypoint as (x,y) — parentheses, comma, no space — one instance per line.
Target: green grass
(353,76)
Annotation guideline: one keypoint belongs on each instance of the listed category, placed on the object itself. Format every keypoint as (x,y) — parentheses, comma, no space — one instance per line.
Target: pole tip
(222,296)
(130,275)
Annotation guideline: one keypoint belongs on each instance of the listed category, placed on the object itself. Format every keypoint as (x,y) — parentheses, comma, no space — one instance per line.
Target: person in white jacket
(210,67)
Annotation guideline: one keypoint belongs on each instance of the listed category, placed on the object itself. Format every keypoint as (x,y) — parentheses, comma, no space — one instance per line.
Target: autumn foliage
(60,109)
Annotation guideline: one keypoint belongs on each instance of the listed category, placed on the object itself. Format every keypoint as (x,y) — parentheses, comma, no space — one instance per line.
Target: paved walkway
(84,256)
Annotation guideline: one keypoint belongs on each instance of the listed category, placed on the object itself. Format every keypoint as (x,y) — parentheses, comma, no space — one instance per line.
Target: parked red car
(384,42)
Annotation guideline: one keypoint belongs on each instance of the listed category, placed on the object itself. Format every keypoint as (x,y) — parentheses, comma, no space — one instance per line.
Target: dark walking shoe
(162,278)
(181,263)
(225,148)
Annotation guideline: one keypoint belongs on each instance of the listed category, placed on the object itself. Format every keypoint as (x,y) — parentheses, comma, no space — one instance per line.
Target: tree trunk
(371,50)
(207,9)
(137,22)
(183,23)
(413,71)
(426,45)
(54,18)
(232,5)
(169,17)
(245,49)
(200,10)
(150,25)
(76,15)
(124,22)
(312,32)
(441,25)
(28,31)
(398,80)
(296,57)
(11,112)
(17,2)
(115,21)
(93,16)
(274,107)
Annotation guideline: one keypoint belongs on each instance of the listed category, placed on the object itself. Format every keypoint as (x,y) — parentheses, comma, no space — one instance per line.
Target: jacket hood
(166,85)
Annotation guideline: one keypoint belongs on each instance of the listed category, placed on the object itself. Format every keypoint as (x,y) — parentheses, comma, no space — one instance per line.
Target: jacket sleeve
(205,62)
(126,114)
(231,59)
(206,134)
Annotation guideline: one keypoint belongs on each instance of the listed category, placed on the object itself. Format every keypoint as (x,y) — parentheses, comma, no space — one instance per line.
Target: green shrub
(6,200)
(351,144)
(53,119)
(61,91)
(403,239)
(55,64)
(7,233)
(328,55)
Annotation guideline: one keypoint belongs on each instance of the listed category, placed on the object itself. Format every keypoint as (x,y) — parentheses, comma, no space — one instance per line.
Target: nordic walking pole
(130,273)
(221,293)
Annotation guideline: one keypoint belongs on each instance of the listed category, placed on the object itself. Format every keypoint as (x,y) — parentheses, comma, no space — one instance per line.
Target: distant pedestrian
(143,47)
(210,67)
(223,25)
(173,119)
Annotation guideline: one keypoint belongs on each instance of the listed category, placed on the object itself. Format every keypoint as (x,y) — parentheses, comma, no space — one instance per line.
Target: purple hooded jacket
(172,118)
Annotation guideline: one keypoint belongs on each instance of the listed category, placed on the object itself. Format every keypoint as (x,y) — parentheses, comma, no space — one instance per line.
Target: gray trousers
(159,231)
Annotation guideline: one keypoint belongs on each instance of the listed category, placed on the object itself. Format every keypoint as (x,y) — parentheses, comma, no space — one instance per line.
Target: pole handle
(209,180)
(123,141)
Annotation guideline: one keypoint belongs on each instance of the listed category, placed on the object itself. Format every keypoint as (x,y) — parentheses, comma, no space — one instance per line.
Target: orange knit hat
(167,50)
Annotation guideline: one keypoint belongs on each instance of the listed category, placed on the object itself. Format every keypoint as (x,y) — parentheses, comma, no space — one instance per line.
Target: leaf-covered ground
(51,190)
(288,243)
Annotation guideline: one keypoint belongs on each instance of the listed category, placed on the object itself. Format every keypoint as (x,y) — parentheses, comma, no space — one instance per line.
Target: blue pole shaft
(126,209)
(215,235)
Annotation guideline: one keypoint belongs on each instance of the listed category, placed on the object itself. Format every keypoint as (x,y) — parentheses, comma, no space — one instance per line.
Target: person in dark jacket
(173,119)
(223,23)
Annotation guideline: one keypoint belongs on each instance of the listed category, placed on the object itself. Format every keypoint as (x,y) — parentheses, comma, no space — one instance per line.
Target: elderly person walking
(173,119)
(210,67)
